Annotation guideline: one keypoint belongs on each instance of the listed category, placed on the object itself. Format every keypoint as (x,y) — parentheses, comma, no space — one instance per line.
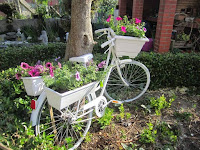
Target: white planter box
(129,46)
(60,101)
(33,85)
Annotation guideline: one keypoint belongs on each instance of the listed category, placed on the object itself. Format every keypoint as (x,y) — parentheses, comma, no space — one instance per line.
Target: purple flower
(24,65)
(144,29)
(102,64)
(77,76)
(38,62)
(34,73)
(48,65)
(57,59)
(18,76)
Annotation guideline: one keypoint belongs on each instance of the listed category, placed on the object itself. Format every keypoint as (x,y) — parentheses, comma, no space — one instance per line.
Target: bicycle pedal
(116,102)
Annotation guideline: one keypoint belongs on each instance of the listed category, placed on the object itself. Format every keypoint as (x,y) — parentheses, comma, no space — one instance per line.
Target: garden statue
(43,37)
(19,35)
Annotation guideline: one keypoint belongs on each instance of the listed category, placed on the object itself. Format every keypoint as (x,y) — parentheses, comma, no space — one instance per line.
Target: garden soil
(128,132)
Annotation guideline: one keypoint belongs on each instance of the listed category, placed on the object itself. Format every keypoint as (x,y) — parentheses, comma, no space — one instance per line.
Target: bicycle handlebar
(108,31)
(107,43)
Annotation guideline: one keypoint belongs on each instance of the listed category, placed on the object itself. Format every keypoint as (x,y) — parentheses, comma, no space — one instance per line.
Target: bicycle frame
(94,100)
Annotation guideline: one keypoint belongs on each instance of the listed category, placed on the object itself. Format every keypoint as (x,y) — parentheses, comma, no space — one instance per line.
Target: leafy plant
(122,114)
(149,134)
(88,137)
(106,119)
(182,116)
(158,104)
(166,132)
(183,37)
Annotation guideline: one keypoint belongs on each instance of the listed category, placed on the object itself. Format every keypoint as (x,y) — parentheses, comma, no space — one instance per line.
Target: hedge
(172,70)
(13,56)
(167,70)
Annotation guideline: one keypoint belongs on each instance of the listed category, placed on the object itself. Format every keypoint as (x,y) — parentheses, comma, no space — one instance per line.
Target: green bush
(172,70)
(13,56)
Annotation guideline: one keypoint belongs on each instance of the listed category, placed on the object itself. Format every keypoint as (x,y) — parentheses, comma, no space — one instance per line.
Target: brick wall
(122,7)
(165,25)
(137,11)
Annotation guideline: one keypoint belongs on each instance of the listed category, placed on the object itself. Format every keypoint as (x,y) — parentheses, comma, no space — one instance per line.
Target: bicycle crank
(100,106)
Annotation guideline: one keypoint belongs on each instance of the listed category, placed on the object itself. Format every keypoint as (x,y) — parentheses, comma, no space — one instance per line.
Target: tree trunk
(80,37)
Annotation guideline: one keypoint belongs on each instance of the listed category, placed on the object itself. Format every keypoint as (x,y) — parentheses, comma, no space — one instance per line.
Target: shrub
(13,56)
(172,70)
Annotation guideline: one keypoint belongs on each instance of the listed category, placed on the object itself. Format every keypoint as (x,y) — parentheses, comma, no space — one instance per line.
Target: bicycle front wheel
(137,78)
(61,125)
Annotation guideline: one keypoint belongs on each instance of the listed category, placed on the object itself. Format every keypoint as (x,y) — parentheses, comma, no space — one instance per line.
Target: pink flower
(39,68)
(59,65)
(123,29)
(144,29)
(48,65)
(102,64)
(138,28)
(24,65)
(137,20)
(18,76)
(77,76)
(118,18)
(34,73)
(109,17)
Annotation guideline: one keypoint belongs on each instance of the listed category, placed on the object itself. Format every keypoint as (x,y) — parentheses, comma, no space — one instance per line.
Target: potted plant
(32,77)
(71,83)
(130,35)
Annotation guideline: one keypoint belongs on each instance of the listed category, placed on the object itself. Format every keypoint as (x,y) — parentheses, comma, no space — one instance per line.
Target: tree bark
(80,37)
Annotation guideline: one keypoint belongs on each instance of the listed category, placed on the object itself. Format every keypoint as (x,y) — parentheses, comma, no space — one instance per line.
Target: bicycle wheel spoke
(65,133)
(135,74)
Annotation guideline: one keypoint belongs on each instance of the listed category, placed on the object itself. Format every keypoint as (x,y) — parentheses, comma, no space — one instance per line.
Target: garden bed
(182,118)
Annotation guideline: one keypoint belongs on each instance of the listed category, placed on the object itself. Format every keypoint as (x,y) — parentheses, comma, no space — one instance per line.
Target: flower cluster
(73,75)
(122,26)
(25,70)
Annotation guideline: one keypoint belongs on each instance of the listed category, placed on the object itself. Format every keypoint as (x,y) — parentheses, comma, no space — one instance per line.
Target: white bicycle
(126,81)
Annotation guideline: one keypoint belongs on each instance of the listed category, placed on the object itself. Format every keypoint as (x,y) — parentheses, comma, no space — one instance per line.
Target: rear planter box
(62,100)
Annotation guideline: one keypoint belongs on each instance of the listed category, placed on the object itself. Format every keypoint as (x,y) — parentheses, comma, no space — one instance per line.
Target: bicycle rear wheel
(61,124)
(137,77)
